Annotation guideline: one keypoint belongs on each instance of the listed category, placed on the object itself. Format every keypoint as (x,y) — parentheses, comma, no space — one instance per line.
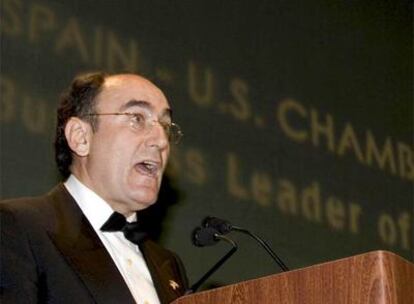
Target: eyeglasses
(144,123)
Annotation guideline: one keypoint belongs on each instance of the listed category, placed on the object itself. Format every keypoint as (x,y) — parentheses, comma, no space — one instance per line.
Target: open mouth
(147,167)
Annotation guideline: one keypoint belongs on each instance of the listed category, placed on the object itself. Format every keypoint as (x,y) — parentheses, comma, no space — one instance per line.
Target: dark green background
(350,59)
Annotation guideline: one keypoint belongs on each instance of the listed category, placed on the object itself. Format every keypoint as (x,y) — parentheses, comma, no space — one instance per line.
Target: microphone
(225,227)
(220,225)
(208,236)
(205,236)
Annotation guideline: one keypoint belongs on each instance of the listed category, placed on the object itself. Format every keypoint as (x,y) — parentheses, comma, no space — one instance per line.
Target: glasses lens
(174,134)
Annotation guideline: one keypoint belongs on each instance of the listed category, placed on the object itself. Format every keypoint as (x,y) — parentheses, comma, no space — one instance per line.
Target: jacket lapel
(85,253)
(167,283)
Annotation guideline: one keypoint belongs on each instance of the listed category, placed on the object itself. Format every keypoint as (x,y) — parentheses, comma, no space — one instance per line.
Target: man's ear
(78,134)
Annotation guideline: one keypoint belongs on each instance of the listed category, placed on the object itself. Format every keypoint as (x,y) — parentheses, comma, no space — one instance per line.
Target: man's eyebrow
(136,103)
(146,105)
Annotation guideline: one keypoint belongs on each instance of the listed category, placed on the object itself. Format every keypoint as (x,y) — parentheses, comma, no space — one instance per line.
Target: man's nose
(157,135)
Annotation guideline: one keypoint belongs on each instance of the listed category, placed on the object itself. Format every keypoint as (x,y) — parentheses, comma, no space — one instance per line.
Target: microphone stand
(264,245)
(197,284)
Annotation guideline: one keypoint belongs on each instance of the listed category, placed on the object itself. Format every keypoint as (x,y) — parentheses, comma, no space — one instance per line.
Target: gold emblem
(174,285)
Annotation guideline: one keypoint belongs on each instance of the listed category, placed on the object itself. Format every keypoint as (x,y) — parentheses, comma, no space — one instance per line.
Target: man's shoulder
(48,212)
(31,203)
(21,204)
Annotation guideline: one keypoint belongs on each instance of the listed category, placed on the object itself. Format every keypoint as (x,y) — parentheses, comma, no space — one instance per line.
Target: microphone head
(204,236)
(222,226)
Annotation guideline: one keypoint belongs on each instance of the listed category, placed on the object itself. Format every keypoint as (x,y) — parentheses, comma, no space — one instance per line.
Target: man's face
(125,165)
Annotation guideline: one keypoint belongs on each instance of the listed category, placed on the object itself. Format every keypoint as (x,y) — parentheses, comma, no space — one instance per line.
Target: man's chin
(143,194)
(142,201)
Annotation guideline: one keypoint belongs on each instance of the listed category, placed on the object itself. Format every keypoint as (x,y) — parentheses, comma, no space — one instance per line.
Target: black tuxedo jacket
(51,254)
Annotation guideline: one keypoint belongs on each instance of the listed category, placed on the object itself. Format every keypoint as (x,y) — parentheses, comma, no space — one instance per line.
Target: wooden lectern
(377,277)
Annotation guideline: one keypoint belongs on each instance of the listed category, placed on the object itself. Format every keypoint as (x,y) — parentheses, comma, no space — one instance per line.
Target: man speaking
(81,243)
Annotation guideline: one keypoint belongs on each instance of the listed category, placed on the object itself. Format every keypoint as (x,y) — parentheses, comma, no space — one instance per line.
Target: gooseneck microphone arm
(225,227)
(265,245)
(206,241)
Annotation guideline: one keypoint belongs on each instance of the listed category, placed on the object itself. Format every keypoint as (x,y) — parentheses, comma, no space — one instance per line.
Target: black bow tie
(133,232)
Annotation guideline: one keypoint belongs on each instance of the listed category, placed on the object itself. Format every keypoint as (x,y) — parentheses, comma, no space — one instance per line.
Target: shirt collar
(96,210)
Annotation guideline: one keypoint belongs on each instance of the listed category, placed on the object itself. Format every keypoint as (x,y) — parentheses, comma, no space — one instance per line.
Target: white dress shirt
(126,255)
